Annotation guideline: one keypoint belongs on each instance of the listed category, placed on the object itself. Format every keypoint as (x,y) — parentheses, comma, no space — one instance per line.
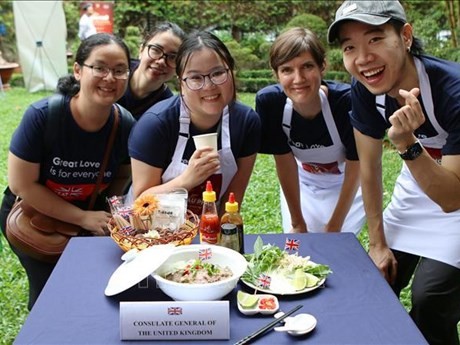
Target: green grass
(261,211)
(13,282)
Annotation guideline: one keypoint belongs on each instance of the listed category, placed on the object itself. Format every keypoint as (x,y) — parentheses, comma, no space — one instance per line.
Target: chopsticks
(267,327)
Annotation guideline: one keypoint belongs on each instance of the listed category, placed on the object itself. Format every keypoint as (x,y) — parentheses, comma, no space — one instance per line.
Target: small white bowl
(221,256)
(297,325)
(258,309)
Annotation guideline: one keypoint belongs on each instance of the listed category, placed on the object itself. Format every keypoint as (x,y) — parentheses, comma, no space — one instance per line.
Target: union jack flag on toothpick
(264,281)
(205,254)
(291,244)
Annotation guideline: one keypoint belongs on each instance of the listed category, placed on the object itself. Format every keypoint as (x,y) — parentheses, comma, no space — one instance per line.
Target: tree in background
(250,24)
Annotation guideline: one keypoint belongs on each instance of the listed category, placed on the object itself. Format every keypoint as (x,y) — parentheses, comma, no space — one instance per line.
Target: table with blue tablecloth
(356,305)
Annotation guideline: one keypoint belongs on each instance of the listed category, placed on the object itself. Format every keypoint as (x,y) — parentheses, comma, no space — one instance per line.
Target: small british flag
(264,281)
(174,311)
(291,244)
(205,254)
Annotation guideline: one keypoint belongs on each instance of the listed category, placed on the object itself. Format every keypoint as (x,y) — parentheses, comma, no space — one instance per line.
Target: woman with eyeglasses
(155,66)
(162,150)
(54,158)
(306,127)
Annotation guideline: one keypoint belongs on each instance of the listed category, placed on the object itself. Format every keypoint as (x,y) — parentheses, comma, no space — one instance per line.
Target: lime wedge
(246,300)
(300,280)
(311,280)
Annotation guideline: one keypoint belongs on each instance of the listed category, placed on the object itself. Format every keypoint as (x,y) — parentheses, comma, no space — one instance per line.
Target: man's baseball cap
(369,12)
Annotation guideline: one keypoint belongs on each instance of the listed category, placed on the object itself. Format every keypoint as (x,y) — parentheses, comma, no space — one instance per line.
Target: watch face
(412,152)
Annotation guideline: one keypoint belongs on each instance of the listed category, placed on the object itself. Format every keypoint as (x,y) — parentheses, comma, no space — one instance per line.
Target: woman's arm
(23,181)
(147,179)
(240,181)
(347,195)
(286,167)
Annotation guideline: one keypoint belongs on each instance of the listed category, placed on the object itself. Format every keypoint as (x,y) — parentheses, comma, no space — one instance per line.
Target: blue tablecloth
(356,306)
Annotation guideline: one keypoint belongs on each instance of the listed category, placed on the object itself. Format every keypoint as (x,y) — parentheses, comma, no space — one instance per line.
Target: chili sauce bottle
(232,224)
(209,224)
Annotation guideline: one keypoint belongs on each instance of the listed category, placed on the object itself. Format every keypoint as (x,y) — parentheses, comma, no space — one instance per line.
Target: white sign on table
(174,320)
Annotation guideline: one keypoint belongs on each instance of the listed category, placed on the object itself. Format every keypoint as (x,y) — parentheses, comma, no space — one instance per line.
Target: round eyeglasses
(156,52)
(120,73)
(197,81)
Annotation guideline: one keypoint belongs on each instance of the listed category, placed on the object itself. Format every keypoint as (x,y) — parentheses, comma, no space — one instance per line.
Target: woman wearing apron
(305,125)
(418,235)
(161,145)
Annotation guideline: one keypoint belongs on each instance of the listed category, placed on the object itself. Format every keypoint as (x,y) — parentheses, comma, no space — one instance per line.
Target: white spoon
(297,325)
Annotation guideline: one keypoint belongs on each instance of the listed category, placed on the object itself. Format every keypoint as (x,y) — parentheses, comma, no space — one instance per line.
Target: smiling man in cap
(414,99)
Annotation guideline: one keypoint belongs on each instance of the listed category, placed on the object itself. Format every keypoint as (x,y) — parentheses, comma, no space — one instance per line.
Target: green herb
(267,257)
(198,265)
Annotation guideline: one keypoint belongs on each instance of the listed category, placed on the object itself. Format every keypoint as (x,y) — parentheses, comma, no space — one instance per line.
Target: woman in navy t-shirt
(162,150)
(154,68)
(58,178)
(305,125)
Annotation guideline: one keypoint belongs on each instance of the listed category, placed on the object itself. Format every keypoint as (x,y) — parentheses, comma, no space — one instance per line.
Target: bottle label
(209,238)
(228,229)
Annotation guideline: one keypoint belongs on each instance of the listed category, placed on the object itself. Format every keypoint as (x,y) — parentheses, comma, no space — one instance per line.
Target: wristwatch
(412,152)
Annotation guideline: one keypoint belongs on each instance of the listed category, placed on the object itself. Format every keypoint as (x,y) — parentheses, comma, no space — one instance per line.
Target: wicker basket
(183,236)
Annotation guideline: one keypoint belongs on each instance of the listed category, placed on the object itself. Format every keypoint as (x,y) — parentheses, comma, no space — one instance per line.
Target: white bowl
(221,256)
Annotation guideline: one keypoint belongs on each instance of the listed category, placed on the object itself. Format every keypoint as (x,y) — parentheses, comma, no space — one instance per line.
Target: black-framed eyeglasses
(156,52)
(121,73)
(197,81)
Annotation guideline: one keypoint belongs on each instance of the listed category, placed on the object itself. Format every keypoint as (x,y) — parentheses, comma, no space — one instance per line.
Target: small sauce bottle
(209,224)
(232,222)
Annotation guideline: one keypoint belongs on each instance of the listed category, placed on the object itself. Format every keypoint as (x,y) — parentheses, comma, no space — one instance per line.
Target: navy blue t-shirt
(270,102)
(138,106)
(444,79)
(70,166)
(154,138)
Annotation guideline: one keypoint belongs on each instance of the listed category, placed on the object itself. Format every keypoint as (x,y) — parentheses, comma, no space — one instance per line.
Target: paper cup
(204,140)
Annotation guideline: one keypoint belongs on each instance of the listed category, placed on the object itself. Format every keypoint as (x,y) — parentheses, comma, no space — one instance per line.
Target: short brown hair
(292,43)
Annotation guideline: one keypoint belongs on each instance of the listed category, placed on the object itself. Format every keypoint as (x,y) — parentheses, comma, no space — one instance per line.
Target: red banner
(102,16)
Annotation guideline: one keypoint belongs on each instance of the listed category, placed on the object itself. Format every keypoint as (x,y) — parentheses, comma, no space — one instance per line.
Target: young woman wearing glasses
(155,67)
(58,176)
(162,150)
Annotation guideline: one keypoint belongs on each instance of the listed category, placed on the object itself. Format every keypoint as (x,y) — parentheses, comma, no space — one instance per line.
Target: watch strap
(412,152)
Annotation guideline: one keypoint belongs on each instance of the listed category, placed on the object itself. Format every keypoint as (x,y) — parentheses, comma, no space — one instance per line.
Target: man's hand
(385,261)
(406,120)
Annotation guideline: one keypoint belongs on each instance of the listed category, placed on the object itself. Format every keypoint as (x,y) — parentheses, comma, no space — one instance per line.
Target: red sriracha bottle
(210,222)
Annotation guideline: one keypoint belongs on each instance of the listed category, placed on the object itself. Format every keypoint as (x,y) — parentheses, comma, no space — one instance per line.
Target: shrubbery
(254,80)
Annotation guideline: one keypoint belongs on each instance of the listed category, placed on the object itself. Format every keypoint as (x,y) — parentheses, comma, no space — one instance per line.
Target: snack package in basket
(152,219)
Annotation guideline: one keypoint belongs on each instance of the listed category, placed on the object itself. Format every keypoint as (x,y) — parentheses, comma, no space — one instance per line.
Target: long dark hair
(70,86)
(164,27)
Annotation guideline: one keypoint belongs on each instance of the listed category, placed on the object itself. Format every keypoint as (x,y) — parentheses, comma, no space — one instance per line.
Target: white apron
(321,174)
(413,223)
(228,166)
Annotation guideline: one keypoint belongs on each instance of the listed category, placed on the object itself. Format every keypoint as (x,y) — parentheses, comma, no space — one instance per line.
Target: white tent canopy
(41,38)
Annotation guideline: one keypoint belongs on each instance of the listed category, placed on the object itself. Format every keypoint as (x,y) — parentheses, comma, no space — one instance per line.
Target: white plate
(279,292)
(257,309)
